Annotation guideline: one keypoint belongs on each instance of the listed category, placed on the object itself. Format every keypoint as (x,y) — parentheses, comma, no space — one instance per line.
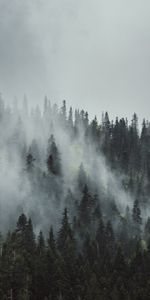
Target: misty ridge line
(48,158)
(81,39)
(24,106)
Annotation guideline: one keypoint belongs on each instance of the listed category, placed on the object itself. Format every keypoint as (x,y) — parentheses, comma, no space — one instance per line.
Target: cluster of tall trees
(71,174)
(85,259)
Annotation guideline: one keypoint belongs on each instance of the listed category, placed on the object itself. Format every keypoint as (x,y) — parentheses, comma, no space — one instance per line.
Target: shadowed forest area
(74,205)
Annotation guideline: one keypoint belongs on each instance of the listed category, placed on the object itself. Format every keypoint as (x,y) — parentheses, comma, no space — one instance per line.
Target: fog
(95,54)
(34,190)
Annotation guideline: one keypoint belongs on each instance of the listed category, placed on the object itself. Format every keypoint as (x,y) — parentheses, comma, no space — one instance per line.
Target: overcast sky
(93,53)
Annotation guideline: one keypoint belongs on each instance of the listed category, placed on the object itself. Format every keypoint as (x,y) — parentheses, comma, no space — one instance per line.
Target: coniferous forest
(74,205)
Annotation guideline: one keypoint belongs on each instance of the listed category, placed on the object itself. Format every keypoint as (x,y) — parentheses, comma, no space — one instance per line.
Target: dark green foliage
(53,157)
(105,253)
(137,213)
(85,207)
(65,239)
(22,223)
(137,219)
(99,269)
(51,240)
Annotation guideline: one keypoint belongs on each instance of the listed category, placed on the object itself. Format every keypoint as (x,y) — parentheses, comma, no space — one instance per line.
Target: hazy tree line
(90,244)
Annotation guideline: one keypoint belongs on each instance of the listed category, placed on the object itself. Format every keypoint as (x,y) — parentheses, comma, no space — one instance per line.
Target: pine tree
(22,222)
(53,157)
(70,118)
(110,239)
(51,240)
(64,110)
(82,178)
(137,219)
(94,129)
(30,161)
(41,243)
(101,238)
(30,238)
(85,207)
(65,240)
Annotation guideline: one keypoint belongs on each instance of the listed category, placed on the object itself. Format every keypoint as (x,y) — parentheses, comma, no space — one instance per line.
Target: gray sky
(93,53)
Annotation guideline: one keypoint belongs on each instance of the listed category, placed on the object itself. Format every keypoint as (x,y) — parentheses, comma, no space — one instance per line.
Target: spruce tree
(53,157)
(65,239)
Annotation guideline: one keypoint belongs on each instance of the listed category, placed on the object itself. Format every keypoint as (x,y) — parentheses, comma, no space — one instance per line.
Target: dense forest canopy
(85,186)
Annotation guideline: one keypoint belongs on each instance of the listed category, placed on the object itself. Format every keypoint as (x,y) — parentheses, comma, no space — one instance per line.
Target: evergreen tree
(41,243)
(30,238)
(85,208)
(22,223)
(137,219)
(65,239)
(30,161)
(51,240)
(70,118)
(101,238)
(53,157)
(63,109)
(82,178)
(110,239)
(136,212)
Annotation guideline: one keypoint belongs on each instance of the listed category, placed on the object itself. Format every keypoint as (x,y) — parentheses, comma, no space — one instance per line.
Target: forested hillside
(74,205)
